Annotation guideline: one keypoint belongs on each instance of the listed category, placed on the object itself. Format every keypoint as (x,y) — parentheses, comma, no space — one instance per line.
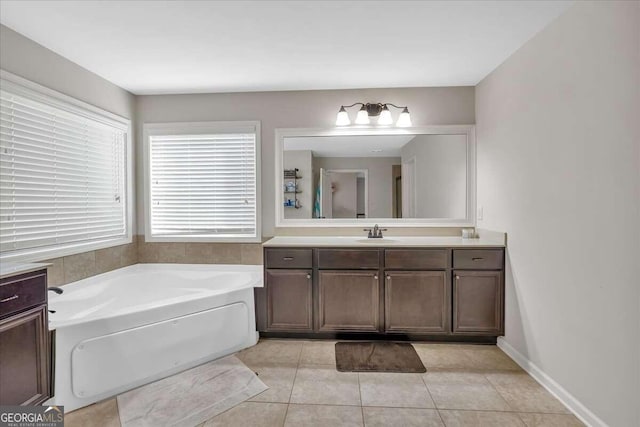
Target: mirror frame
(468,221)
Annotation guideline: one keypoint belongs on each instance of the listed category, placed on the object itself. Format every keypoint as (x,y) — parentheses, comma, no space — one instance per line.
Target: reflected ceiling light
(369,110)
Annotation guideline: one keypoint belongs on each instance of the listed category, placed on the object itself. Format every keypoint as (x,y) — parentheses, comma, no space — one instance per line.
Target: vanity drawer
(416,259)
(22,292)
(288,258)
(353,259)
(478,259)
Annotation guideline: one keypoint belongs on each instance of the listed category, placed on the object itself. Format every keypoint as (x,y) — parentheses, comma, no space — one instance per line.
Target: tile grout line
(511,409)
(524,423)
(360,394)
(284,421)
(484,374)
(118,411)
(435,406)
(491,410)
(441,419)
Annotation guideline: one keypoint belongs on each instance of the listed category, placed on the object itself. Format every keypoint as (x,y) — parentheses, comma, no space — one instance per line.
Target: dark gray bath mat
(377,357)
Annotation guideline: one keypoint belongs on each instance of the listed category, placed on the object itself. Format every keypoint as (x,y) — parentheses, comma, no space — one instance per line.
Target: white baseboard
(567,399)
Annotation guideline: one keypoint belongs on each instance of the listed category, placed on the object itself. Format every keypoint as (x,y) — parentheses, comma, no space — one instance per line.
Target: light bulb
(405,118)
(363,117)
(343,118)
(385,117)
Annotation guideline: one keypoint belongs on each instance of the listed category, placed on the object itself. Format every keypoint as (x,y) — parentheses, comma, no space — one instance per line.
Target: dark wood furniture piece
(24,340)
(286,286)
(444,294)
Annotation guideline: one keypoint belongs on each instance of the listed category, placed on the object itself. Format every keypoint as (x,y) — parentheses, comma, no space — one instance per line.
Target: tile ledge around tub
(486,239)
(9,269)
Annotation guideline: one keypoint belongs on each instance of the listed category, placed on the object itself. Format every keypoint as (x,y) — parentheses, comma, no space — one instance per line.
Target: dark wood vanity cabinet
(478,302)
(24,340)
(289,300)
(348,290)
(348,300)
(285,304)
(417,291)
(478,291)
(417,302)
(396,292)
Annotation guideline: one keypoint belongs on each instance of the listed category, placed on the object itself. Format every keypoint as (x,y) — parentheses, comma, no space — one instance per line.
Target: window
(202,182)
(63,174)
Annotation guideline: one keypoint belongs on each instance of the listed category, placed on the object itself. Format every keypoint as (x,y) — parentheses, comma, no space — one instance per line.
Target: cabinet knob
(389,277)
(308,276)
(375,276)
(457,277)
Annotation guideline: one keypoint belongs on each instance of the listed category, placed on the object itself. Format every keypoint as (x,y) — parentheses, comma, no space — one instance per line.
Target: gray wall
(307,109)
(25,58)
(559,170)
(441,175)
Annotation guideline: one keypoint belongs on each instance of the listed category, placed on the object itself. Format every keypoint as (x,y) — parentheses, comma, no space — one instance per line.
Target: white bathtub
(121,329)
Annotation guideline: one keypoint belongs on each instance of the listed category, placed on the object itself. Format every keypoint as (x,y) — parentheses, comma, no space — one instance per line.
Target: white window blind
(203,185)
(62,176)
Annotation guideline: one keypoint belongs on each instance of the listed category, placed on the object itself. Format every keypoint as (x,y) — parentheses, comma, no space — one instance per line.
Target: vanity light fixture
(405,118)
(343,118)
(369,110)
(362,118)
(385,118)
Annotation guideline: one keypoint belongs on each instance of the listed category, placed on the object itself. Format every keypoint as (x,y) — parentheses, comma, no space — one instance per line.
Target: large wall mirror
(394,177)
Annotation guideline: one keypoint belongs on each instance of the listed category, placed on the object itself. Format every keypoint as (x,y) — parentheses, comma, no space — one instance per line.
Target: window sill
(43,254)
(201,239)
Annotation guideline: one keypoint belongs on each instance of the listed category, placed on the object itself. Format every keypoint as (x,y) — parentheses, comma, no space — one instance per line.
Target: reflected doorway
(344,193)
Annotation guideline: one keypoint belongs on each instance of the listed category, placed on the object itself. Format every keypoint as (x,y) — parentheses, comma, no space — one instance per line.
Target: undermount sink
(377,240)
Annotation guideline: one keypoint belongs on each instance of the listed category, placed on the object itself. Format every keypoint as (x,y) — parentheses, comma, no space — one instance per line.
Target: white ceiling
(152,47)
(350,146)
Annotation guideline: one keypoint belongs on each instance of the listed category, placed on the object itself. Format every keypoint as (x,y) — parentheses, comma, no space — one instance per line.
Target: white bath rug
(190,397)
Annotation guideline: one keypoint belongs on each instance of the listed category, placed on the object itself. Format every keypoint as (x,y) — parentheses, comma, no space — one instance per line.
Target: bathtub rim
(256,281)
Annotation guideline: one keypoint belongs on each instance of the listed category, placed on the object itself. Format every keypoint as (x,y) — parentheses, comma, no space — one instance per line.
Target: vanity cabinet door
(348,301)
(24,358)
(478,302)
(289,300)
(417,302)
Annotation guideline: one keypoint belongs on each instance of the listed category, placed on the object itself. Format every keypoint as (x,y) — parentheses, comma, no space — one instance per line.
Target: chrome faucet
(375,232)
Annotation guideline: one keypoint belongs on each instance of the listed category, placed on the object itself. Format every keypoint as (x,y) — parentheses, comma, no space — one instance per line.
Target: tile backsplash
(80,266)
(199,253)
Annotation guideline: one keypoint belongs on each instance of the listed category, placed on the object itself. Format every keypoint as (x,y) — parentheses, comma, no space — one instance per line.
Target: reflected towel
(316,204)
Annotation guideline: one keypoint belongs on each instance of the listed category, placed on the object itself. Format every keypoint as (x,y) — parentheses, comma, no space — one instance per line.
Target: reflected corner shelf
(291,187)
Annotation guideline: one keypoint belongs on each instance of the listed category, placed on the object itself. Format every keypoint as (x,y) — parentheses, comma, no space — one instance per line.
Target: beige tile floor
(465,385)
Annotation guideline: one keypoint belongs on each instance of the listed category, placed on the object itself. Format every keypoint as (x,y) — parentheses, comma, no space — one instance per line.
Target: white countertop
(8,269)
(491,240)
